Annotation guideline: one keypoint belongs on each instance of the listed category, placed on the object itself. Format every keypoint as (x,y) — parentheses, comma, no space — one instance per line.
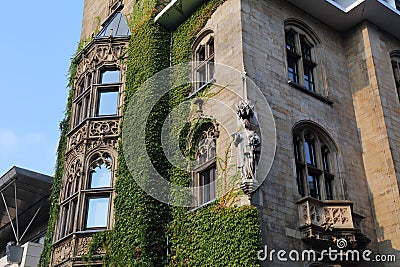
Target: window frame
(89,197)
(296,55)
(89,192)
(69,199)
(205,40)
(107,89)
(323,169)
(206,133)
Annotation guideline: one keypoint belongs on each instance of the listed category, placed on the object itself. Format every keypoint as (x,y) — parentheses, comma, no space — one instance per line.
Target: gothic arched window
(203,58)
(313,153)
(301,58)
(98,191)
(69,200)
(204,176)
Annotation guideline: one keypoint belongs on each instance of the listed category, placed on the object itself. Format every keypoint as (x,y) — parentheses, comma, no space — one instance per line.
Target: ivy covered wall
(215,235)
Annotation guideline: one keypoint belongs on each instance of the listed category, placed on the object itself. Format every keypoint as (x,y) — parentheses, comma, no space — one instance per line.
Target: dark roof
(114,26)
(32,191)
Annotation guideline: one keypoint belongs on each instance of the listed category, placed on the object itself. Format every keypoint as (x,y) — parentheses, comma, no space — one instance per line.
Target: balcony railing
(330,214)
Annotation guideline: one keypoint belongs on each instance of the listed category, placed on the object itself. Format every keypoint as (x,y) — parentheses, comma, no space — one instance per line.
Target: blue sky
(38,39)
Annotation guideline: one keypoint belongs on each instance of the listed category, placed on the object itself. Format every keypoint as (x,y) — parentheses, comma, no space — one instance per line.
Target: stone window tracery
(68,205)
(314,160)
(98,191)
(204,176)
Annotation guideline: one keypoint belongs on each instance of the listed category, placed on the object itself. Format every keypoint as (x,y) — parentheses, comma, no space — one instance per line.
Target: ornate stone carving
(83,246)
(77,137)
(325,215)
(109,142)
(103,128)
(63,251)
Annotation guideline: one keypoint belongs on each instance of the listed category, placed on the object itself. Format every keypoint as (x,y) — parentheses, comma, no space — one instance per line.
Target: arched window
(395,58)
(100,172)
(203,58)
(98,191)
(204,176)
(301,59)
(70,199)
(314,159)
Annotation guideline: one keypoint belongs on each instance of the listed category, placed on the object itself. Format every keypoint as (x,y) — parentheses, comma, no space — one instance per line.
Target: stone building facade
(330,71)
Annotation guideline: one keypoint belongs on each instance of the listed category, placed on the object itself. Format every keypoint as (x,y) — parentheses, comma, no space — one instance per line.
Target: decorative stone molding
(83,246)
(327,215)
(101,142)
(77,137)
(104,128)
(63,251)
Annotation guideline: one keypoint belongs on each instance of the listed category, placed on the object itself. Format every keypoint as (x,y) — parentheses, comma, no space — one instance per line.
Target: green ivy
(216,236)
(139,234)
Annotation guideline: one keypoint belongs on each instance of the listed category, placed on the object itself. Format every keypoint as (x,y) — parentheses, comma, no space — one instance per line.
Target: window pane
(305,49)
(97,213)
(310,151)
(325,159)
(293,69)
(100,177)
(297,147)
(110,76)
(201,53)
(86,107)
(201,76)
(290,41)
(78,114)
(211,47)
(108,103)
(314,186)
(207,193)
(211,69)
(300,186)
(309,78)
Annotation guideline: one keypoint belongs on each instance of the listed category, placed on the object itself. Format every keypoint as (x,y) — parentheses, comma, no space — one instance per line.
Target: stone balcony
(322,223)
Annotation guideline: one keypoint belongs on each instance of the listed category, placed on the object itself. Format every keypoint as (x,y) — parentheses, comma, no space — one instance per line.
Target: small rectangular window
(108,103)
(97,212)
(110,76)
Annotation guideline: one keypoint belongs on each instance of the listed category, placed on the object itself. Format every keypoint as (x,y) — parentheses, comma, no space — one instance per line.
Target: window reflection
(110,76)
(100,176)
(97,213)
(108,103)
